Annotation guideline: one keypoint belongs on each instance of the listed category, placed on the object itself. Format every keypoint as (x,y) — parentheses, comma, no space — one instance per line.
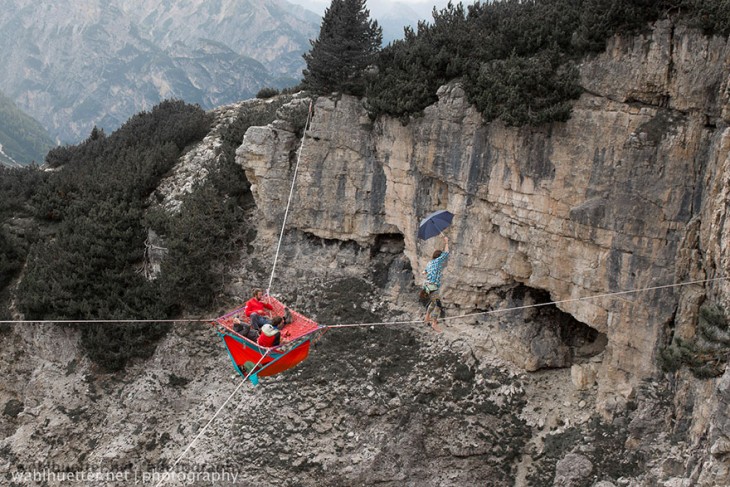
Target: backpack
(424,297)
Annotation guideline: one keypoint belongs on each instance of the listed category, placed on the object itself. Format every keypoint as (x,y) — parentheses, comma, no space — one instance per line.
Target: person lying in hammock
(270,336)
(257,309)
(244,329)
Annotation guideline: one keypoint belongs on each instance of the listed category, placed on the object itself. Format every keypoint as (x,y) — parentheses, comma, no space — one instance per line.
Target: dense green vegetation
(23,139)
(706,354)
(516,58)
(96,204)
(267,92)
(88,222)
(77,233)
(17,187)
(347,43)
(209,228)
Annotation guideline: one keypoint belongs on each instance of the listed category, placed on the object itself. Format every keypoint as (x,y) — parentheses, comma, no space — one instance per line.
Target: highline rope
(346,325)
(291,194)
(536,305)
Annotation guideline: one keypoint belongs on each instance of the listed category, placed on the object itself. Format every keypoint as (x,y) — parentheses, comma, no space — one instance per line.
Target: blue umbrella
(434,224)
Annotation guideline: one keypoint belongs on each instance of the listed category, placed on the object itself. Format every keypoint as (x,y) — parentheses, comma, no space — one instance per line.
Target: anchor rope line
(536,305)
(182,455)
(291,194)
(182,320)
(346,325)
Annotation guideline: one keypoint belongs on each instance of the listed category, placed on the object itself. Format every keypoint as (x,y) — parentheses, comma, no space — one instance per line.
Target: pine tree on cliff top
(347,43)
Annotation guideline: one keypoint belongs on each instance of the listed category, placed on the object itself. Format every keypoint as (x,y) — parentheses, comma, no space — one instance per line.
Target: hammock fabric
(296,340)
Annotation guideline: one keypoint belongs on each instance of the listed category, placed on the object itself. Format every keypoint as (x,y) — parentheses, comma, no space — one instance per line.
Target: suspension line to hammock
(91,321)
(291,194)
(167,474)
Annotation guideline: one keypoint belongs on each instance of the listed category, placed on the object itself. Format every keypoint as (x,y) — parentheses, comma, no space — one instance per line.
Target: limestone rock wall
(340,185)
(629,194)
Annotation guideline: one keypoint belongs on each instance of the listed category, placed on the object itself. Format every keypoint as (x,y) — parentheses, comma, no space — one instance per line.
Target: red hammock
(246,354)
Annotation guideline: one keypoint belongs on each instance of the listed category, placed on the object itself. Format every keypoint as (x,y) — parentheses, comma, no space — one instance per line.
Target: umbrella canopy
(434,224)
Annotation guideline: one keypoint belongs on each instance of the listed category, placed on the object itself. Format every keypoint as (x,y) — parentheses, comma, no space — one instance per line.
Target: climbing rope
(291,194)
(537,305)
(182,455)
(184,320)
(383,323)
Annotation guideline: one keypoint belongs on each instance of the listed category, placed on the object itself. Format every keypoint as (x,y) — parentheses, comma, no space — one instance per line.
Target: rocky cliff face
(630,194)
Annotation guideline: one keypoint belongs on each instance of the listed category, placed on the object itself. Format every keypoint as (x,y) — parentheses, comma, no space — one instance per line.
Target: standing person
(434,270)
(256,309)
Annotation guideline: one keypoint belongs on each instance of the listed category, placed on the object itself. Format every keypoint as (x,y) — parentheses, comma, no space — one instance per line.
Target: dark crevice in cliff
(550,337)
(670,62)
(660,100)
(389,265)
(390,243)
(666,334)
(703,163)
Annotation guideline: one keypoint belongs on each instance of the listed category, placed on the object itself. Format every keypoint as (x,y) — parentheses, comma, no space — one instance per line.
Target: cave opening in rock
(389,265)
(545,336)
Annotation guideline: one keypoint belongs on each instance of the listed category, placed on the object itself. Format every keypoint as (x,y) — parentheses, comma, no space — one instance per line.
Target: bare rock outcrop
(563,222)
(627,195)
(572,471)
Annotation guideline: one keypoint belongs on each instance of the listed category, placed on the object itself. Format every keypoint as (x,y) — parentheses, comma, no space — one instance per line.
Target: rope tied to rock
(205,428)
(407,322)
(291,194)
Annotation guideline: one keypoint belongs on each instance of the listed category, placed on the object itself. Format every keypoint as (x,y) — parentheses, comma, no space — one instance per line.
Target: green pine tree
(348,41)
(706,354)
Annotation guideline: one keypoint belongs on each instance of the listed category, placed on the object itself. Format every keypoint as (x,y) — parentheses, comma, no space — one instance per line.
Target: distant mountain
(391,15)
(273,32)
(22,139)
(97,62)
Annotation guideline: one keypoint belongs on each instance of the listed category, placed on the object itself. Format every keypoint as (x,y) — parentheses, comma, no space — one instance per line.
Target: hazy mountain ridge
(80,65)
(391,16)
(22,139)
(394,16)
(274,29)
